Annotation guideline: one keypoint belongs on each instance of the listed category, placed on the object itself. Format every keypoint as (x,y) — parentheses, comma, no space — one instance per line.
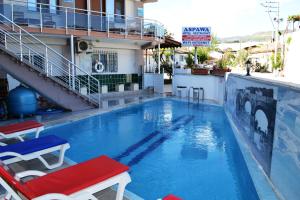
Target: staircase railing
(31,50)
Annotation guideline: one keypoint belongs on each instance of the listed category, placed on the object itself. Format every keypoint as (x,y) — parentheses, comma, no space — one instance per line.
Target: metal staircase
(37,65)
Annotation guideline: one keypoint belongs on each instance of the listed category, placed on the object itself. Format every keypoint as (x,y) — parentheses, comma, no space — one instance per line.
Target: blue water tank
(21,101)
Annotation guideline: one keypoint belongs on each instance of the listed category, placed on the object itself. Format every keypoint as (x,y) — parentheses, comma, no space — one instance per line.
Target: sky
(226,17)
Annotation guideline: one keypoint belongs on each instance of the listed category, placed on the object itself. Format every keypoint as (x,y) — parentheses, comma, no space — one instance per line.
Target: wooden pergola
(293,19)
(169,43)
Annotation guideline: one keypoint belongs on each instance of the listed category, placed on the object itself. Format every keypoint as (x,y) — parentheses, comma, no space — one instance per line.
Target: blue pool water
(171,147)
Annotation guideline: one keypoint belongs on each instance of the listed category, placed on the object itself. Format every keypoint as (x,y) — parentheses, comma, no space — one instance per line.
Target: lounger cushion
(31,146)
(16,185)
(75,178)
(171,197)
(22,126)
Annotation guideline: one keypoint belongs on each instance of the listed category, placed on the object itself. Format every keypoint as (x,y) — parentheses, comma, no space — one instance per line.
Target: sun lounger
(35,148)
(171,197)
(19,130)
(78,182)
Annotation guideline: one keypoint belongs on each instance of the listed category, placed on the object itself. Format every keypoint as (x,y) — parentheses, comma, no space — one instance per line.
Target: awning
(168,43)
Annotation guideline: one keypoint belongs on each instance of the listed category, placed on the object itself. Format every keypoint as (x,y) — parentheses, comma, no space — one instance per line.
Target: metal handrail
(198,89)
(154,27)
(28,48)
(80,9)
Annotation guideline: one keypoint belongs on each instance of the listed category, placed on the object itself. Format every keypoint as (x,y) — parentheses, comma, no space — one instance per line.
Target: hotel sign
(196,36)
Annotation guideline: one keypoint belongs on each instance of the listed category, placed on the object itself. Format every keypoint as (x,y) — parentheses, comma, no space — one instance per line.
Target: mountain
(258,37)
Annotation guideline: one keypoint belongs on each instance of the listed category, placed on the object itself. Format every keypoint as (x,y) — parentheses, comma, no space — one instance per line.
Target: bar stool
(180,90)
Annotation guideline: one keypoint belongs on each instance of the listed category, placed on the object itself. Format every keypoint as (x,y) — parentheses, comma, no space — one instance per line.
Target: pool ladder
(196,93)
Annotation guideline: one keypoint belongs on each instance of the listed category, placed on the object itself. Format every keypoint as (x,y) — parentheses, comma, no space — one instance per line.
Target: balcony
(49,19)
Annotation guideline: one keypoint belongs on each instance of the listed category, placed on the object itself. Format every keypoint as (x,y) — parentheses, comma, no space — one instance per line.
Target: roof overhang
(168,43)
(149,1)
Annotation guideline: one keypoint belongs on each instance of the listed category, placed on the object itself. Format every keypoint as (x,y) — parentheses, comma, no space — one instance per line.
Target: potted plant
(222,64)
(200,71)
(202,56)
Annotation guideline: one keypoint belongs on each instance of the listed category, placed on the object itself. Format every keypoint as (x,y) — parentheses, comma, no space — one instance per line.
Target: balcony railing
(49,16)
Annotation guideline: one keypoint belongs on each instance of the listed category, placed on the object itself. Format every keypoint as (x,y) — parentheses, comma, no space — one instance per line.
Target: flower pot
(220,72)
(200,71)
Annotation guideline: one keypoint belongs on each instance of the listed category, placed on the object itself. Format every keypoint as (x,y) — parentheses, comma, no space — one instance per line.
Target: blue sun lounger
(35,148)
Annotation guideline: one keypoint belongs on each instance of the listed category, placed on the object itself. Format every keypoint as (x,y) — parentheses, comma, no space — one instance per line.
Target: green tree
(165,61)
(214,43)
(189,60)
(278,64)
(202,54)
(241,58)
(227,60)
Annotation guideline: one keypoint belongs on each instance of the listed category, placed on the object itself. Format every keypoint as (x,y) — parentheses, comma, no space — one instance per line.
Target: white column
(195,57)
(146,66)
(88,3)
(158,57)
(173,66)
(73,61)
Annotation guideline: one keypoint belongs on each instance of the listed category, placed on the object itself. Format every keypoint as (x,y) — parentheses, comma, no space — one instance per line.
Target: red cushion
(75,178)
(171,197)
(22,126)
(17,186)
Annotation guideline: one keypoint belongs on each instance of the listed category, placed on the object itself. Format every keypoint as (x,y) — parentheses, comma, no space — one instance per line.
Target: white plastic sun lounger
(19,130)
(35,148)
(78,182)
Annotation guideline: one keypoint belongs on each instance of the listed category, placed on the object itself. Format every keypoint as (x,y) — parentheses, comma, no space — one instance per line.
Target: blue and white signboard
(196,36)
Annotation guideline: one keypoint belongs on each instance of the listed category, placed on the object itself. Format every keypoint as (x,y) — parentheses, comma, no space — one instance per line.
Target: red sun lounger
(18,130)
(78,182)
(171,197)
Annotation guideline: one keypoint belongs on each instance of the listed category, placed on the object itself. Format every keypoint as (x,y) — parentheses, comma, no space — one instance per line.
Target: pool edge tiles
(263,185)
(92,113)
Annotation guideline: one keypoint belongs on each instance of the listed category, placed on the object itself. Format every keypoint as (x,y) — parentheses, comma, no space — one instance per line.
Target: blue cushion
(31,146)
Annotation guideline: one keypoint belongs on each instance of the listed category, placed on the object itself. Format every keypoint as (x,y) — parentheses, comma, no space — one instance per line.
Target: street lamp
(248,67)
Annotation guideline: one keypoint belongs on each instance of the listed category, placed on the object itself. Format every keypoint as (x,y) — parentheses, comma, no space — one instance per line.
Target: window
(119,7)
(181,58)
(32,6)
(119,10)
(105,61)
(53,5)
(48,6)
(110,7)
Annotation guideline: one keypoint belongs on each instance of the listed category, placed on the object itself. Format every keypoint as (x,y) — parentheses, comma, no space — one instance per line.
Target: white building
(112,31)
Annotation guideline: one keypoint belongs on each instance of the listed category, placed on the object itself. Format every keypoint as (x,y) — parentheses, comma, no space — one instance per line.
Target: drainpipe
(88,3)
(173,66)
(146,67)
(195,57)
(73,61)
(158,58)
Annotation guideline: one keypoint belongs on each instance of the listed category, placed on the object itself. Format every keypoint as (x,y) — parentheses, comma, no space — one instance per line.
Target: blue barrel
(3,110)
(22,101)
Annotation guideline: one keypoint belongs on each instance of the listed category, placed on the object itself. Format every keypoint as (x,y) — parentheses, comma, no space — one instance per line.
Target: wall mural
(268,114)
(253,110)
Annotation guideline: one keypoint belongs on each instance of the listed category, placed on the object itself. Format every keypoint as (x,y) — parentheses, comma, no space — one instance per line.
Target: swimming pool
(171,147)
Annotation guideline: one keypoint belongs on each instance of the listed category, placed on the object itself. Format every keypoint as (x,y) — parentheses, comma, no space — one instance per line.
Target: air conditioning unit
(84,46)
